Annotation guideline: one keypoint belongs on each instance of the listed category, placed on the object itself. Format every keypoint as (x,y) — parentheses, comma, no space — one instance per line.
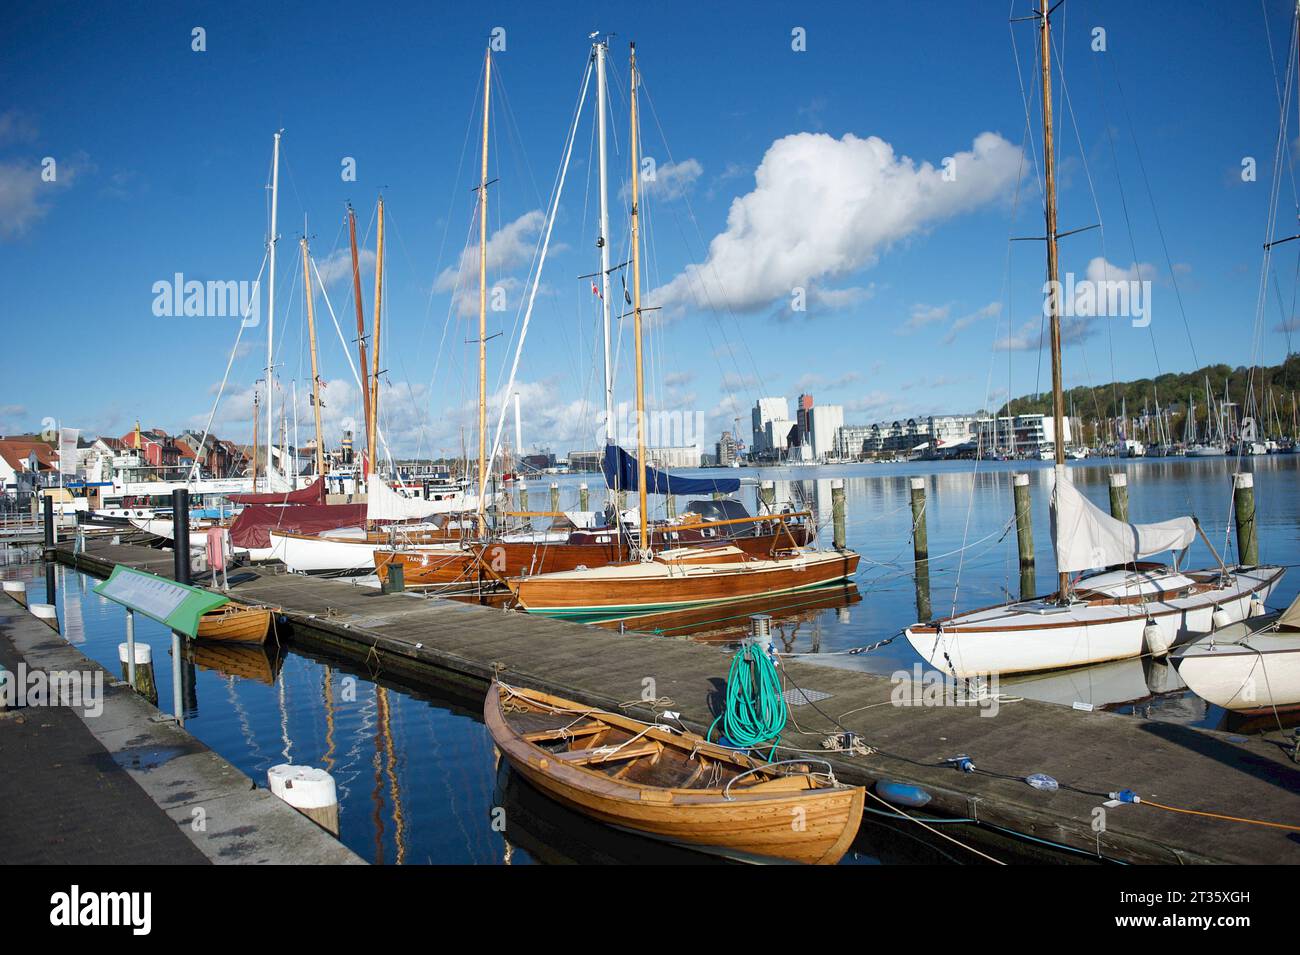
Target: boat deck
(443,642)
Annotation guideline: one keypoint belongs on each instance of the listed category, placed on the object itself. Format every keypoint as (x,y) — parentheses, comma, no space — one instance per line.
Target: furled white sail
(385,504)
(1086,537)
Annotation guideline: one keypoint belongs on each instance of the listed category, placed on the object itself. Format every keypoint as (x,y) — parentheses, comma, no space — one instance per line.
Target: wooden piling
(1119,496)
(671,503)
(920,539)
(1024,520)
(555,498)
(584,497)
(767,497)
(837,513)
(1243,499)
(523,496)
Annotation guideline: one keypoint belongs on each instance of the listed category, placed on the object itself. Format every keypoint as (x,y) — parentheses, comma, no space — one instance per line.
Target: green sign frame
(176,606)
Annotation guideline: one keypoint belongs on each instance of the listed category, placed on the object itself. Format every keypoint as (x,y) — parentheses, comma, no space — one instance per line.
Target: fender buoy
(901,794)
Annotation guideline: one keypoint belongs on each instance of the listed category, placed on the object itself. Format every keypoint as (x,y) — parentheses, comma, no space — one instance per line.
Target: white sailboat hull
(332,553)
(1036,635)
(1243,671)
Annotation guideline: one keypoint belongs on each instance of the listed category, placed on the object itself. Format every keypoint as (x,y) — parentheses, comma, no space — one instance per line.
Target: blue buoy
(901,794)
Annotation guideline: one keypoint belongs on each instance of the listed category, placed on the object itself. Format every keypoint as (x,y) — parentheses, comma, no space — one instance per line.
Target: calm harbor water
(415,767)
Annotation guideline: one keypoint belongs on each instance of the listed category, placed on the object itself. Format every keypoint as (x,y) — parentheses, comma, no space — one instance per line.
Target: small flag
(595,291)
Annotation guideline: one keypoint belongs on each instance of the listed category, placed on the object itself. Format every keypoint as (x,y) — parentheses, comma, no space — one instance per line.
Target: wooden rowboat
(235,623)
(672,786)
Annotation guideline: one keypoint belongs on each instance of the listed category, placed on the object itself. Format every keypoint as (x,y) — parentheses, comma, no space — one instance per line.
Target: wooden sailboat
(680,576)
(672,786)
(235,623)
(1123,606)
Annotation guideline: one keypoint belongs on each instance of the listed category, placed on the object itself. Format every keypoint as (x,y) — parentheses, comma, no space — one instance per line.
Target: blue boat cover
(621,473)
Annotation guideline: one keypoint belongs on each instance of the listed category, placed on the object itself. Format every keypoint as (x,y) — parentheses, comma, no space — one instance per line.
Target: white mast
(270,309)
(601,50)
(519,433)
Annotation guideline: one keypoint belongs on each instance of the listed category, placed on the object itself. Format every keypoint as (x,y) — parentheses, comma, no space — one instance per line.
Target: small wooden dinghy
(672,786)
(235,623)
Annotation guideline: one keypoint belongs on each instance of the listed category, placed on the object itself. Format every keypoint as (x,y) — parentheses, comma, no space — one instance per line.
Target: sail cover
(312,494)
(252,528)
(1086,537)
(621,472)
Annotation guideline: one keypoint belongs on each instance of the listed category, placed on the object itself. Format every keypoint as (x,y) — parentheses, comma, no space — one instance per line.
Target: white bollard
(47,613)
(17,589)
(143,653)
(309,790)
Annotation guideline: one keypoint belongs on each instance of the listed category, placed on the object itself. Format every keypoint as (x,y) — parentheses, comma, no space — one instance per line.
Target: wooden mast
(374,376)
(636,318)
(1053,272)
(361,321)
(270,308)
(482,299)
(315,375)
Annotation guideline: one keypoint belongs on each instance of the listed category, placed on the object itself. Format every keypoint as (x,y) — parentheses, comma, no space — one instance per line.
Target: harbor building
(769,411)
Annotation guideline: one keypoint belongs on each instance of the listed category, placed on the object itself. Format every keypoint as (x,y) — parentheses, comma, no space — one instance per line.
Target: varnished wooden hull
(235,623)
(796,818)
(449,566)
(647,588)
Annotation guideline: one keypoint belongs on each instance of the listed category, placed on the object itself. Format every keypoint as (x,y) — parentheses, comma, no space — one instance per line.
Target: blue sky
(917,303)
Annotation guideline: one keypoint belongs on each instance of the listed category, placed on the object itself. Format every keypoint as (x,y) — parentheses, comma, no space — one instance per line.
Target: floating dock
(440,641)
(121,786)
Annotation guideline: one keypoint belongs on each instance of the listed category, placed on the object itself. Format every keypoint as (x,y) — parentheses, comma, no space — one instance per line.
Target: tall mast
(315,375)
(270,305)
(601,49)
(361,322)
(1053,271)
(256,403)
(482,297)
(636,316)
(374,375)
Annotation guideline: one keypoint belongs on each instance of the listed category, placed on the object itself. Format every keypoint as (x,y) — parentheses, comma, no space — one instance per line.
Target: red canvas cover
(252,528)
(312,494)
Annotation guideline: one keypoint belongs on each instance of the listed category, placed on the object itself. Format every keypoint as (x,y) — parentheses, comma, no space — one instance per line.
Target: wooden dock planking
(1097,751)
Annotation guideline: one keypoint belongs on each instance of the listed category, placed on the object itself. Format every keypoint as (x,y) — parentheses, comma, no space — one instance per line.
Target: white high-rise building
(824,422)
(767,410)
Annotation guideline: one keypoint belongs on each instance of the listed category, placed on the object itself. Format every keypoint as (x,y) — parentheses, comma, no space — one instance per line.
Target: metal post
(130,646)
(181,534)
(1243,497)
(181,571)
(1119,496)
(51,536)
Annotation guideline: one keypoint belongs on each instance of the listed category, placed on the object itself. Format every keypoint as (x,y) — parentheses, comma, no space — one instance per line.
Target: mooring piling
(1243,499)
(920,540)
(837,513)
(1119,496)
(555,498)
(1024,520)
(584,496)
(767,497)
